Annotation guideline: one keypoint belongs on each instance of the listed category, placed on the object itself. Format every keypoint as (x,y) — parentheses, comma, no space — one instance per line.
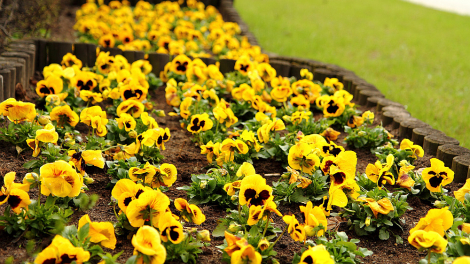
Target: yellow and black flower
(131,91)
(84,81)
(180,64)
(107,41)
(52,85)
(254,190)
(200,123)
(437,175)
(70,60)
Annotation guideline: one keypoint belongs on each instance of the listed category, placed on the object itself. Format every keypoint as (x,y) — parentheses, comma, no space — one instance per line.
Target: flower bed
(293,170)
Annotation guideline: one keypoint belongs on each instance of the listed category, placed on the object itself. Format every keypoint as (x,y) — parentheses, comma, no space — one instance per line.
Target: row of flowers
(194,30)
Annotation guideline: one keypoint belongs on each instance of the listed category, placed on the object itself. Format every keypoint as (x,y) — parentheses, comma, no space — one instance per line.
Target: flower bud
(132,134)
(44,120)
(263,244)
(285,175)
(287,118)
(160,113)
(403,163)
(204,235)
(192,230)
(172,114)
(439,204)
(203,184)
(148,106)
(88,180)
(362,133)
(368,221)
(233,228)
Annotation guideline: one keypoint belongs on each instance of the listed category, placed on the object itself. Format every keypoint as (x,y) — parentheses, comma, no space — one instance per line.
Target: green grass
(417,56)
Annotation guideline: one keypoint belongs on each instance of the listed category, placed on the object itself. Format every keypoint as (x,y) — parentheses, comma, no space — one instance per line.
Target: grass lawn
(417,56)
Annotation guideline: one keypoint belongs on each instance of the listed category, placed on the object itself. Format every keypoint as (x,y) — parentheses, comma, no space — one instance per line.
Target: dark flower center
(174,235)
(339,177)
(66,259)
(435,181)
(332,107)
(244,67)
(181,66)
(308,260)
(129,94)
(14,201)
(127,201)
(328,163)
(251,194)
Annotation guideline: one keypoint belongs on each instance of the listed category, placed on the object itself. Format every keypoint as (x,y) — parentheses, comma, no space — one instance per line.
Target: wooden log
(399,108)
(129,55)
(227,65)
(388,116)
(1,89)
(372,101)
(208,61)
(20,66)
(41,55)
(80,50)
(7,82)
(158,62)
(419,133)
(91,55)
(407,126)
(28,63)
(319,74)
(386,102)
(398,119)
(347,82)
(56,50)
(364,94)
(432,142)
(112,51)
(446,153)
(361,88)
(460,167)
(30,49)
(282,68)
(139,55)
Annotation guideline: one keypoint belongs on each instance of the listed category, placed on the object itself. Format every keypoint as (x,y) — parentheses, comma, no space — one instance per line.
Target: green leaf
(298,196)
(30,164)
(185,256)
(398,239)
(219,231)
(83,232)
(132,260)
(384,234)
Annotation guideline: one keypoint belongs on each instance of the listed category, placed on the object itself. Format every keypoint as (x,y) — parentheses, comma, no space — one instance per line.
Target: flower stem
(267,223)
(115,214)
(429,256)
(39,193)
(279,237)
